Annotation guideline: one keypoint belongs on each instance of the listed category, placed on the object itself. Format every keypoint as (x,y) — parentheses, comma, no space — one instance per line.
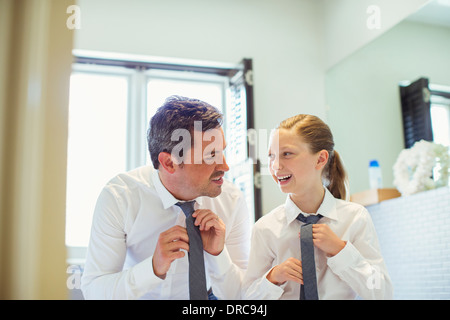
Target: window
(111,103)
(425,112)
(440,114)
(96,145)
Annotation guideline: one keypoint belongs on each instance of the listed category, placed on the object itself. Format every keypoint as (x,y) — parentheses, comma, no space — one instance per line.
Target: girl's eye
(271,156)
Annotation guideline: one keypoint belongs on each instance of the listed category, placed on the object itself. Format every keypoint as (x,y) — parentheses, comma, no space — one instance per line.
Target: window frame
(416,99)
(439,96)
(76,254)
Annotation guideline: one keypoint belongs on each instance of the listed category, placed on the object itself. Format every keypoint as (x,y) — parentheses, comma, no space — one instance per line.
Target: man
(139,239)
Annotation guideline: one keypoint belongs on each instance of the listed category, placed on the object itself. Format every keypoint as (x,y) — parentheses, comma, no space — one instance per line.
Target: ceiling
(436,12)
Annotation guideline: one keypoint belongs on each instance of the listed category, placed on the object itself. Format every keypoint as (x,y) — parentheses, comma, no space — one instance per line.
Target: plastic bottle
(375,178)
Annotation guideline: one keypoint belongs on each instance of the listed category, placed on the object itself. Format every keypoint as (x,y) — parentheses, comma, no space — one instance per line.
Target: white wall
(363,95)
(346,23)
(282,37)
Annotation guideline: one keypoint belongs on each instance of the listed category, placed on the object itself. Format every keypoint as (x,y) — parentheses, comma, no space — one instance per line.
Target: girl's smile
(284,179)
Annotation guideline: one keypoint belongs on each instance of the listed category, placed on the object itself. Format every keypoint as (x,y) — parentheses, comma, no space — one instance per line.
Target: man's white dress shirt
(131,212)
(357,270)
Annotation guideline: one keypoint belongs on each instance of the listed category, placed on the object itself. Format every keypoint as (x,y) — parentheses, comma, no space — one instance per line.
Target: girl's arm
(360,264)
(256,285)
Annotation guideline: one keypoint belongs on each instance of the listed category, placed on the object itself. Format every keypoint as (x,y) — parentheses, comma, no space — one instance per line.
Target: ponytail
(337,177)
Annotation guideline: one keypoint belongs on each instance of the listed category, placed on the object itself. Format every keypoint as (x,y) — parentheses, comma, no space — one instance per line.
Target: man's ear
(166,162)
(322,159)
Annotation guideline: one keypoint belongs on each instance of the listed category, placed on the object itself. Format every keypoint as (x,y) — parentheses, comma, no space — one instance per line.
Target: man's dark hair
(178,112)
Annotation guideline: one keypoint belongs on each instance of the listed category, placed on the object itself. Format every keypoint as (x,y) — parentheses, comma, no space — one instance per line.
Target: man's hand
(212,230)
(289,270)
(170,242)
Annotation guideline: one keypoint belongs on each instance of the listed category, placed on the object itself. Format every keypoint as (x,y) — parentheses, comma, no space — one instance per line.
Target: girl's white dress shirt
(358,270)
(131,212)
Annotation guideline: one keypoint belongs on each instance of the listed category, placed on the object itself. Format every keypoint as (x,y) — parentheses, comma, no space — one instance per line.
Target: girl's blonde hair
(318,136)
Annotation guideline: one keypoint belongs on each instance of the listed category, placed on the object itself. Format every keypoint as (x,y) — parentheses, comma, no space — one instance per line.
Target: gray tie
(308,291)
(197,278)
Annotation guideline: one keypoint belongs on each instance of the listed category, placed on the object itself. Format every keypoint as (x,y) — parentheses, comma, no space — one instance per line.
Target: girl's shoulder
(351,210)
(275,215)
(349,206)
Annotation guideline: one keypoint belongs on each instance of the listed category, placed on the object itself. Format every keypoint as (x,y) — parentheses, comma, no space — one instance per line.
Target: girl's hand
(326,240)
(289,270)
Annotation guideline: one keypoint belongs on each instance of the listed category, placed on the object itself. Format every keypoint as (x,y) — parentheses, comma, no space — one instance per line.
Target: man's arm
(103,277)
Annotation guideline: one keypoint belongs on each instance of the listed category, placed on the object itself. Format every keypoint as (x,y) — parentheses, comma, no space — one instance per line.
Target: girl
(348,262)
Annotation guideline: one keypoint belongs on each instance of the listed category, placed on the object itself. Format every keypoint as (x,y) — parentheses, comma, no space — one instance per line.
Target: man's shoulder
(230,188)
(131,179)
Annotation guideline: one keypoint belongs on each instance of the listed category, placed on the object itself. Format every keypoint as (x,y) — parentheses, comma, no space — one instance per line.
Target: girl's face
(293,166)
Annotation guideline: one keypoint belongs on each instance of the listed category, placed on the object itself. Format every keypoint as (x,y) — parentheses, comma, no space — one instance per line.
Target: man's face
(203,174)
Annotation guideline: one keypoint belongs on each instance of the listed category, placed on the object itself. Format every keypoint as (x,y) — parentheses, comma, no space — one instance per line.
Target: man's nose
(223,166)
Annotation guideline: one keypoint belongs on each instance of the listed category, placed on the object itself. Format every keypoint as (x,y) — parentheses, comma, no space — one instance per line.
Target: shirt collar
(166,197)
(327,207)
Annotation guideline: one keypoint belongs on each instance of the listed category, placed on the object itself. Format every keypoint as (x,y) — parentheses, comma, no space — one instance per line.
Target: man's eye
(212,155)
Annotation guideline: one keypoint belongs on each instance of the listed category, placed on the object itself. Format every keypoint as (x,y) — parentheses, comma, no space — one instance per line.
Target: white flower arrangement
(415,167)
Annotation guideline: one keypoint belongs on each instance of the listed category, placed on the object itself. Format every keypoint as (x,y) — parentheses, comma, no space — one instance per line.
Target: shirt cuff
(348,256)
(274,291)
(144,276)
(263,289)
(221,263)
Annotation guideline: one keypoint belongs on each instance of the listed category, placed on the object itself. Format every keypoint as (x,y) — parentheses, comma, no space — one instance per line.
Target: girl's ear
(166,162)
(322,159)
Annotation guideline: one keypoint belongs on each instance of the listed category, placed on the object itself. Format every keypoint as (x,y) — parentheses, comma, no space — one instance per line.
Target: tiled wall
(414,235)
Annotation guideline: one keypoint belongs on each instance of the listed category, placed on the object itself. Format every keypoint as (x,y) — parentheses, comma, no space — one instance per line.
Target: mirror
(362,91)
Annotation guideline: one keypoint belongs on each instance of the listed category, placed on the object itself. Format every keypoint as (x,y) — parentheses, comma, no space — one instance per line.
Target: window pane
(440,117)
(96,146)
